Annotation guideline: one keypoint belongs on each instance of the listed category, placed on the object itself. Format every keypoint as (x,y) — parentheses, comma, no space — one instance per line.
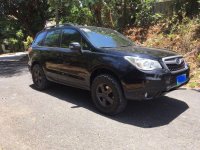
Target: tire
(39,78)
(107,95)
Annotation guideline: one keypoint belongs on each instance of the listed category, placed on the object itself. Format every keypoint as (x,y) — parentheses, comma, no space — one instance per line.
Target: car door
(52,55)
(75,64)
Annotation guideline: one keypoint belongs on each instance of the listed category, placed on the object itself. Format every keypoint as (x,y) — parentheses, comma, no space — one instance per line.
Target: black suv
(105,62)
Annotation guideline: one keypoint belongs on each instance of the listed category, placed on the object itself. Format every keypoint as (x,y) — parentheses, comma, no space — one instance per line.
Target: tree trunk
(98,16)
(110,18)
(58,4)
(97,7)
(125,13)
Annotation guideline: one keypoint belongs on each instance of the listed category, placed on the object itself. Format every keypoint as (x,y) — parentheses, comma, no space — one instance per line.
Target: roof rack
(68,24)
(59,25)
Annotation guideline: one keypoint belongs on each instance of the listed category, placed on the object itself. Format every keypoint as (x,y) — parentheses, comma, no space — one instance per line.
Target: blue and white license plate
(181,79)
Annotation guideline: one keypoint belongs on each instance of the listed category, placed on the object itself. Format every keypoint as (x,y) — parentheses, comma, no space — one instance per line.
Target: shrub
(28,42)
(145,15)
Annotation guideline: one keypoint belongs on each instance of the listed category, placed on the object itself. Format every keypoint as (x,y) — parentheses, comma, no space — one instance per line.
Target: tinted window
(71,35)
(52,38)
(39,38)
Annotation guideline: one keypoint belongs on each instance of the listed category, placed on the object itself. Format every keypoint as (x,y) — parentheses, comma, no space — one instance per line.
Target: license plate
(181,79)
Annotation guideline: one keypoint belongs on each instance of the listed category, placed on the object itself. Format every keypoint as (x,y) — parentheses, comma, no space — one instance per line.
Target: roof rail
(68,24)
(59,25)
(48,27)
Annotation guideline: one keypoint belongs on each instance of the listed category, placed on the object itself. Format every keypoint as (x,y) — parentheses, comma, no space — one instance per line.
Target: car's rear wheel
(39,78)
(107,95)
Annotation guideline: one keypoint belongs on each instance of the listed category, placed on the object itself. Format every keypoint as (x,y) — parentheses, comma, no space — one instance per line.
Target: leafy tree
(22,18)
(56,6)
(30,14)
(79,15)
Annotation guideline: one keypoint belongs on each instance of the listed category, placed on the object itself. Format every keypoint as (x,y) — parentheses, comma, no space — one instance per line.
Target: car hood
(141,51)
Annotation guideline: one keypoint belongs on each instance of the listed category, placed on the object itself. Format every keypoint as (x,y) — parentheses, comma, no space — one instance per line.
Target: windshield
(106,38)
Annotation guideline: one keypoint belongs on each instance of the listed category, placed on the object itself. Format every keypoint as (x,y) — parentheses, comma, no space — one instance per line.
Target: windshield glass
(106,38)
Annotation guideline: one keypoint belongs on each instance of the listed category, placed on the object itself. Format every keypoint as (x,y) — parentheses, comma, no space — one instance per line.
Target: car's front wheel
(39,78)
(107,95)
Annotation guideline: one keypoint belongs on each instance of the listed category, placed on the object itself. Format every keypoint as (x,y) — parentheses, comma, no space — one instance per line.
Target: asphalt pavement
(64,118)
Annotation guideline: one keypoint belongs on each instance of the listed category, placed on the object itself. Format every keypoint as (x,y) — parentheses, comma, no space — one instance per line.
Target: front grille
(176,67)
(174,63)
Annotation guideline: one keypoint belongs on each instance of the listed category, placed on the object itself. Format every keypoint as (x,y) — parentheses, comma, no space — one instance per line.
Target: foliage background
(173,24)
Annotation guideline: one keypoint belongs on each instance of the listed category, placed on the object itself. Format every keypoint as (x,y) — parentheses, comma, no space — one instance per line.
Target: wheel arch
(35,63)
(104,70)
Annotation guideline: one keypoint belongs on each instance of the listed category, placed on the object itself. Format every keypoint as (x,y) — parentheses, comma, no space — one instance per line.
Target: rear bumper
(149,85)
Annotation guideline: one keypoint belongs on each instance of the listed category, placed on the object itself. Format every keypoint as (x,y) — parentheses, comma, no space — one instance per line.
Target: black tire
(114,102)
(39,78)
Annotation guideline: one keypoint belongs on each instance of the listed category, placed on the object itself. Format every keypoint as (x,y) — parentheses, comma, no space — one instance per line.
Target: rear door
(52,54)
(36,48)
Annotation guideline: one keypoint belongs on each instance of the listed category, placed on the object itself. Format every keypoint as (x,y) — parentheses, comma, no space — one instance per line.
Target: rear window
(52,38)
(40,37)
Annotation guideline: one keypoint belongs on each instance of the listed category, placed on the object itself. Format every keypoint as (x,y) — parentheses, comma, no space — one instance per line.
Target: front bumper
(138,85)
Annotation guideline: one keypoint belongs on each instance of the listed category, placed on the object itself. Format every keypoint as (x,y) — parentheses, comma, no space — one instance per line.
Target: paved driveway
(64,118)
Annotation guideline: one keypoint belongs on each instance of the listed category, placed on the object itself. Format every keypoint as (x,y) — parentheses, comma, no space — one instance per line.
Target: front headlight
(143,63)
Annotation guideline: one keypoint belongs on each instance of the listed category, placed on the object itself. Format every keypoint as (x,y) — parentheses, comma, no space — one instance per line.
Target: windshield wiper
(106,47)
(126,45)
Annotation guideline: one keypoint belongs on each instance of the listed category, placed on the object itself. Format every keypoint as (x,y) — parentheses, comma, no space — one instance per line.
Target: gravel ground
(64,118)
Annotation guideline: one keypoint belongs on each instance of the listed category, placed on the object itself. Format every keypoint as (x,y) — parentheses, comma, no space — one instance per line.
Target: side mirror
(75,46)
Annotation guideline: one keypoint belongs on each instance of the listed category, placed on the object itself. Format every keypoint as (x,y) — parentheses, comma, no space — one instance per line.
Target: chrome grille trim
(172,60)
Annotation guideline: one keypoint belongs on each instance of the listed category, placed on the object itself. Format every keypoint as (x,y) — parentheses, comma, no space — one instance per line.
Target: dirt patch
(182,38)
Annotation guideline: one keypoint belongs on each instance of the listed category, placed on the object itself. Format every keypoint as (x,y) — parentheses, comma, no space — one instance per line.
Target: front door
(75,64)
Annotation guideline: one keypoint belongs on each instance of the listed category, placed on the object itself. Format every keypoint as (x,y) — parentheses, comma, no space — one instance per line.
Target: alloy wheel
(105,95)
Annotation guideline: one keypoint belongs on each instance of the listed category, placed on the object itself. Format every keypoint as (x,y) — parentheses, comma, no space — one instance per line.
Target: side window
(71,35)
(40,37)
(84,44)
(53,38)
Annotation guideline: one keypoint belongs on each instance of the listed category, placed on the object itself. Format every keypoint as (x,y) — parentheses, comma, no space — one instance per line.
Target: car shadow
(194,89)
(197,90)
(144,114)
(13,68)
